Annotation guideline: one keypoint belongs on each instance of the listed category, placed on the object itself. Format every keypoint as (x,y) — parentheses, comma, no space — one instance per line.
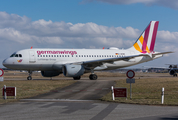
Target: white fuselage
(54,59)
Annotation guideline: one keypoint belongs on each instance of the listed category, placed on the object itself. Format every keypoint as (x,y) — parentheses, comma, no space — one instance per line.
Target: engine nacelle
(172,72)
(73,70)
(50,73)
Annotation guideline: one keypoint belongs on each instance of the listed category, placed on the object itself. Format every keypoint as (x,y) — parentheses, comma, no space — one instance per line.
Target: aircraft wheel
(93,77)
(175,75)
(77,78)
(29,78)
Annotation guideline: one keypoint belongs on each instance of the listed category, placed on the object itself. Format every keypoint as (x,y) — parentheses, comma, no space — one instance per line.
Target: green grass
(148,91)
(26,89)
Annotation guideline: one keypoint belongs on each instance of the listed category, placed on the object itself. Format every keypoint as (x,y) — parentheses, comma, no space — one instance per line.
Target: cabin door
(32,58)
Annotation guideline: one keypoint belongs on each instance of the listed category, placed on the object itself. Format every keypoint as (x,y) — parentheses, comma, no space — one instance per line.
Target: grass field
(26,89)
(148,91)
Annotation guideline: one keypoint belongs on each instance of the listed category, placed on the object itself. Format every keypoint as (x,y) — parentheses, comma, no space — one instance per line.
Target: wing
(94,63)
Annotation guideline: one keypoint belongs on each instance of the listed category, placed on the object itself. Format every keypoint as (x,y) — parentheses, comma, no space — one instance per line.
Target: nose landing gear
(29,77)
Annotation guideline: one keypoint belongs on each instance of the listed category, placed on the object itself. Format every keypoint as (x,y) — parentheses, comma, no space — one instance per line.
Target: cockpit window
(16,55)
(13,55)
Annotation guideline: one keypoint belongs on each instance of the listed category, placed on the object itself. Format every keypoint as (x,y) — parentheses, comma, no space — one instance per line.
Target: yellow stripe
(147,49)
(141,39)
(137,47)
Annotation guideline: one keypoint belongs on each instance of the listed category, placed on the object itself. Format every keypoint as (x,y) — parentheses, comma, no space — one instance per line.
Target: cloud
(168,36)
(18,32)
(166,3)
(24,31)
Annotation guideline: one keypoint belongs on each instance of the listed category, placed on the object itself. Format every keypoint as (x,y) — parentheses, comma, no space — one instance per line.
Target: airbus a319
(75,62)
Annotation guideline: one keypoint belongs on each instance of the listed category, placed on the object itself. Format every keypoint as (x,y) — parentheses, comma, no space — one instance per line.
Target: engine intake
(172,72)
(73,70)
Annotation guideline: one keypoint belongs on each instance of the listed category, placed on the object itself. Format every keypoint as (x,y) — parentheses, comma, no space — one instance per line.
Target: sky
(87,24)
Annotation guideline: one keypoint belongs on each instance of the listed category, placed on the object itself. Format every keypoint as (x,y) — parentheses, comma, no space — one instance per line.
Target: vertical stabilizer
(146,41)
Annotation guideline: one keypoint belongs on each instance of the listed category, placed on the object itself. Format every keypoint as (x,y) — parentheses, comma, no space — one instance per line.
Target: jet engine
(73,70)
(50,73)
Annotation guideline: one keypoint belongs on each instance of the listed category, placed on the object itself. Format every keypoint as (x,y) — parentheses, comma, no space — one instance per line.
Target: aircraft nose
(6,62)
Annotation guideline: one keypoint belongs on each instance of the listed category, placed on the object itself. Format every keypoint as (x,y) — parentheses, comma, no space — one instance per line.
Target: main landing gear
(29,77)
(175,75)
(93,76)
(77,78)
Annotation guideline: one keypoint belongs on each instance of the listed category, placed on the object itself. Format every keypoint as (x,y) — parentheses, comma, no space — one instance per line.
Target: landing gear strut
(29,77)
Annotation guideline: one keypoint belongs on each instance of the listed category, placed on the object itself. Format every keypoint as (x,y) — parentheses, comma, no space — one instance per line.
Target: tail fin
(146,41)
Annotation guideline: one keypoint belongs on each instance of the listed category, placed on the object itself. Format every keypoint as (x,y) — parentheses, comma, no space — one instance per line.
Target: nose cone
(6,62)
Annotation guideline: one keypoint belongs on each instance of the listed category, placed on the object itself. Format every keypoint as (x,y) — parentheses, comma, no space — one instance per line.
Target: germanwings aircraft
(75,62)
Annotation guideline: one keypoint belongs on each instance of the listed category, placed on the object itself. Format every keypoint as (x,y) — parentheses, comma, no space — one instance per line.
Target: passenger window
(54,55)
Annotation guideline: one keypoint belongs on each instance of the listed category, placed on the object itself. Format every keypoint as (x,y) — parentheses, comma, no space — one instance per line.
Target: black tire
(93,77)
(29,78)
(77,78)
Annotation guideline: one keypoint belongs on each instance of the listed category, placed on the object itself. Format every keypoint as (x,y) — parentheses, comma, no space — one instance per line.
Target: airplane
(75,62)
(173,69)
